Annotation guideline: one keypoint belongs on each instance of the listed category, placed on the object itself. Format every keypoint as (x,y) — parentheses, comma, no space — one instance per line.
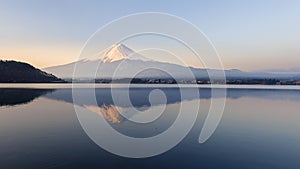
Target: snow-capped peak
(119,52)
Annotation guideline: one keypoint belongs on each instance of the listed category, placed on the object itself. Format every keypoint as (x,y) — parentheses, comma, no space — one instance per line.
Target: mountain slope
(19,72)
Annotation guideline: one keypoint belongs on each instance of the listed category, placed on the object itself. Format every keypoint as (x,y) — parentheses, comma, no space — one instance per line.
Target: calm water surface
(39,128)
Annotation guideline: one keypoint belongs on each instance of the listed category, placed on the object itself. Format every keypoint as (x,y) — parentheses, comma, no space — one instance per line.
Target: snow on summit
(119,51)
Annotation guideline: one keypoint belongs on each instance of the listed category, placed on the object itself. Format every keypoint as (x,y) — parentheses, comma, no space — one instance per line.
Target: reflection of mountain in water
(139,97)
(11,97)
(109,112)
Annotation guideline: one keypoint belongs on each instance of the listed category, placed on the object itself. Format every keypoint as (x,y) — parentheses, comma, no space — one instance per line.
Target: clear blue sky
(249,34)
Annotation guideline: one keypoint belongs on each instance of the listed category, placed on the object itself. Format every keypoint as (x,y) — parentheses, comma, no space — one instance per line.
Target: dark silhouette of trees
(19,72)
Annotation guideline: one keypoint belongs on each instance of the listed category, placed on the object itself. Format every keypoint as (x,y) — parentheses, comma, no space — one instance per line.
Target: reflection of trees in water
(11,97)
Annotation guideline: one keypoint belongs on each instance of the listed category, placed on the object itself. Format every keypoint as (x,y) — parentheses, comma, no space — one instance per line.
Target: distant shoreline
(123,85)
(241,81)
(282,83)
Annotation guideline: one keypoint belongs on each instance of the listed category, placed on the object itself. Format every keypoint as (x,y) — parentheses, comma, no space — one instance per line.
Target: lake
(39,128)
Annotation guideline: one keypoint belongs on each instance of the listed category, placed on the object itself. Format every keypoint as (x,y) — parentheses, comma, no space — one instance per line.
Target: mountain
(119,51)
(122,62)
(19,72)
(288,74)
(295,70)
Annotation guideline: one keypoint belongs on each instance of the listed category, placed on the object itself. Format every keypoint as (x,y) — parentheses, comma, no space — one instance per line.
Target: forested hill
(19,72)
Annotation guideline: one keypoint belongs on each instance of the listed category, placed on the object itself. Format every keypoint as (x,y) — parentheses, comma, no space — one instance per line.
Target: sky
(248,35)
